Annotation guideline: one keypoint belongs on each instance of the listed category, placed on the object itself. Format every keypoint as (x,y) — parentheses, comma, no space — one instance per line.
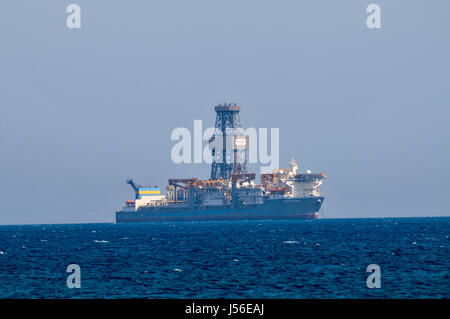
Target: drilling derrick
(228,144)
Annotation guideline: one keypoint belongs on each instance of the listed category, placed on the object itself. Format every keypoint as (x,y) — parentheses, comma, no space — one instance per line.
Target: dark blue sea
(324,258)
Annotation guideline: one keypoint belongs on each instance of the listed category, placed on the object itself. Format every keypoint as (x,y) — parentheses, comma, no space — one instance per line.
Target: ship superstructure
(231,192)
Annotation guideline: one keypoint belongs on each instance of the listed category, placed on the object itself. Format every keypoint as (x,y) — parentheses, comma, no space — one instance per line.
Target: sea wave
(288,242)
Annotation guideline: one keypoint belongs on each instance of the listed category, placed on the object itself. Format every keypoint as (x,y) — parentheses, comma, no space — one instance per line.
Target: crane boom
(133,185)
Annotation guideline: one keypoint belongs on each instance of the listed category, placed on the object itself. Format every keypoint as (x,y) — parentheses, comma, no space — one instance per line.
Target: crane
(133,185)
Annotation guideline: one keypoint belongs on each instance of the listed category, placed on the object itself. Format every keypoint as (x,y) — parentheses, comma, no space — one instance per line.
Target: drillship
(231,193)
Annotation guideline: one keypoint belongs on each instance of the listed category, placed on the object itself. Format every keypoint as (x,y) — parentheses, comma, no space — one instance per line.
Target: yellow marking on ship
(149,192)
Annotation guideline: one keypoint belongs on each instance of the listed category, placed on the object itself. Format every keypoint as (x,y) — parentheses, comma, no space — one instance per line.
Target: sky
(83,109)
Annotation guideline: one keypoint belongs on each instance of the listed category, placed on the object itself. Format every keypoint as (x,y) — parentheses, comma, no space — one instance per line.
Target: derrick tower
(228,144)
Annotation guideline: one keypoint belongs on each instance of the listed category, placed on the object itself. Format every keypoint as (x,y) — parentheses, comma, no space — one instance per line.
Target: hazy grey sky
(82,110)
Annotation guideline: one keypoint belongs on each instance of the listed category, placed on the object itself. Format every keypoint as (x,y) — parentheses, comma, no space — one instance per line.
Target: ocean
(324,258)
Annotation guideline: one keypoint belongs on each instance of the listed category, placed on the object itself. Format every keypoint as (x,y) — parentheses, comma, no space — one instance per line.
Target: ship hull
(294,208)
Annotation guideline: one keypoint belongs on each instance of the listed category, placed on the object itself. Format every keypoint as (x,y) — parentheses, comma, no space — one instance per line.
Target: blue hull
(296,208)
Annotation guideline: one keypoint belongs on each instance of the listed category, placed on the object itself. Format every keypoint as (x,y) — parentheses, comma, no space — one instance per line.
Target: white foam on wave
(177,269)
(2,252)
(288,242)
(101,241)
